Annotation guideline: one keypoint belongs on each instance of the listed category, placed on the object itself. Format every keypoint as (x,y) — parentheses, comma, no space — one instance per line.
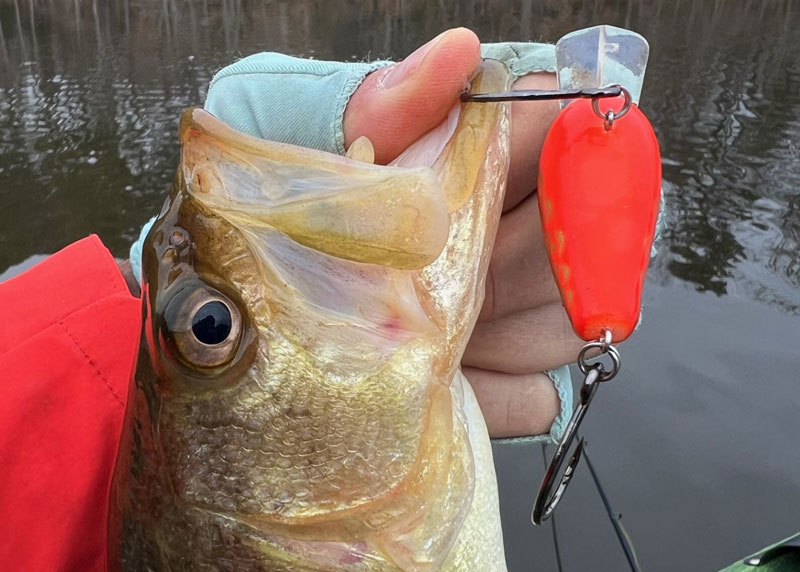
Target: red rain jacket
(69,336)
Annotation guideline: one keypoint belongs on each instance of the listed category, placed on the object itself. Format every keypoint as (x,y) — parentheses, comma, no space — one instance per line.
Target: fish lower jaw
(274,546)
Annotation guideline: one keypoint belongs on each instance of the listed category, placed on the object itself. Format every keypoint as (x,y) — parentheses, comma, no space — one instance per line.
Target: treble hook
(595,373)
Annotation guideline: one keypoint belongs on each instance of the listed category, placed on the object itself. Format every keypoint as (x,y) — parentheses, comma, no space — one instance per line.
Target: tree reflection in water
(90,94)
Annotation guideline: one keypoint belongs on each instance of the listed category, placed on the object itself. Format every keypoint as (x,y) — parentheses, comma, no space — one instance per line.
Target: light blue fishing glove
(280,98)
(302,102)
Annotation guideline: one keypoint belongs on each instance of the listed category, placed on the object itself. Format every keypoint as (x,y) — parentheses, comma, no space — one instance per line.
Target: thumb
(395,105)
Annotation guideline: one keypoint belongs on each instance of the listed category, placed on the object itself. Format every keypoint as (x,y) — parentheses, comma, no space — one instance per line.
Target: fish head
(304,317)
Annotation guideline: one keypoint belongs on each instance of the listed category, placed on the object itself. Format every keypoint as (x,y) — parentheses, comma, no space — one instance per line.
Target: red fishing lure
(599,193)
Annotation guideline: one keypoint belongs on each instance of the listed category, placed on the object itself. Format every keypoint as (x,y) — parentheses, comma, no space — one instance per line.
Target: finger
(530,121)
(515,405)
(395,105)
(508,344)
(519,274)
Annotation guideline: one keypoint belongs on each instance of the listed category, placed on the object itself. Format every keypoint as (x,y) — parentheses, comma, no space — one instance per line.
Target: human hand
(523,328)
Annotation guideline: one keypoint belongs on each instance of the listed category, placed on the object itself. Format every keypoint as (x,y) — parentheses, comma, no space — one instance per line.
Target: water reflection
(90,94)
(726,103)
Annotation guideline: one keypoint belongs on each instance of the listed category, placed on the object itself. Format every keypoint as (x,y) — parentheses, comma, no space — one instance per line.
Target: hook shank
(544,94)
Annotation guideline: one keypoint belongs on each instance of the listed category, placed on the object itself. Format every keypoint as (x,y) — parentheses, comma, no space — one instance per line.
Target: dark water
(697,440)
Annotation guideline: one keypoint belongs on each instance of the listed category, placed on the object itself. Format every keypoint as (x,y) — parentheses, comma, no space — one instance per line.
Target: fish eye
(202,326)
(212,323)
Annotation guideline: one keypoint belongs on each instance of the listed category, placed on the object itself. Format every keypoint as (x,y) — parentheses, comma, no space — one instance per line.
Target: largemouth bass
(298,402)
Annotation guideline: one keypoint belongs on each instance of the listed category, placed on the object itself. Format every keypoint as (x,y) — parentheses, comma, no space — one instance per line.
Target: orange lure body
(599,194)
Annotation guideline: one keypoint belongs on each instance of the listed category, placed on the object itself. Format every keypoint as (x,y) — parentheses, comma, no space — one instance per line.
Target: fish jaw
(342,207)
(333,432)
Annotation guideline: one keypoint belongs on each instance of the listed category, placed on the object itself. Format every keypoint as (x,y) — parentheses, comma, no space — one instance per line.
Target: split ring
(585,366)
(611,116)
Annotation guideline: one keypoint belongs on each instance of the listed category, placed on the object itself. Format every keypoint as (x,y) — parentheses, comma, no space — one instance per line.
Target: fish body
(298,403)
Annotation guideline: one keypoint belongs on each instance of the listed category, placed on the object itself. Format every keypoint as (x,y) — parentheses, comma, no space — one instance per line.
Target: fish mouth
(389,216)
(336,237)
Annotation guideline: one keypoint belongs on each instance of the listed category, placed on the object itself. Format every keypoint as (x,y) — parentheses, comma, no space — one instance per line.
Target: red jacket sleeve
(69,335)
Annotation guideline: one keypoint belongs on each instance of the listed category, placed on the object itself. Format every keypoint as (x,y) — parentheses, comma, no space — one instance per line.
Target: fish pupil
(212,323)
